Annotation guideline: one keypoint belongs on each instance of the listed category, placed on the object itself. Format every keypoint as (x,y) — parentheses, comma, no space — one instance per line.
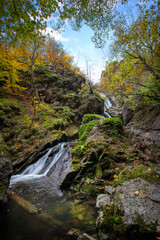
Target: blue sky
(79,45)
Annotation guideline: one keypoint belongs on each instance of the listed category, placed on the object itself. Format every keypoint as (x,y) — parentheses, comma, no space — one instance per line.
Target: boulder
(133,209)
(138,197)
(102,200)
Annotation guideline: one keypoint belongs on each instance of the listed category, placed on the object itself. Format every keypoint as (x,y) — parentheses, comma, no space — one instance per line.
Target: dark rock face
(53,90)
(147,141)
(127,114)
(144,132)
(5,172)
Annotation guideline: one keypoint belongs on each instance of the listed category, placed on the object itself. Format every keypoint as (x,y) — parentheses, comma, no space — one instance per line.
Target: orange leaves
(56,56)
(128,88)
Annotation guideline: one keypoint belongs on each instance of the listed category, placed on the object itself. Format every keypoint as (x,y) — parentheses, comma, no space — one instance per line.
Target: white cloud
(56,34)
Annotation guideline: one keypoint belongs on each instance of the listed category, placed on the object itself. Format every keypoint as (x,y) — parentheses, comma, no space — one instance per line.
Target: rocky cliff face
(142,127)
(5,171)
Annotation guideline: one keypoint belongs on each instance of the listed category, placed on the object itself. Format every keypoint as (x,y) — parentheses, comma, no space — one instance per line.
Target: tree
(10,66)
(33,55)
(141,39)
(23,17)
(137,45)
(56,57)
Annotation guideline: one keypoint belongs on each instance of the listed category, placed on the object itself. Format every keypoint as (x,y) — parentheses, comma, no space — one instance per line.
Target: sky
(79,45)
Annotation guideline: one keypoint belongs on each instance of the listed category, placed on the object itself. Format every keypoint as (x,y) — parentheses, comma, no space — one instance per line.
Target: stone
(69,178)
(85,236)
(108,190)
(139,198)
(102,200)
(115,112)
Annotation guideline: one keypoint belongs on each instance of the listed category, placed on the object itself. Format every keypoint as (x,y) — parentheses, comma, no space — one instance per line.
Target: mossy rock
(112,223)
(87,147)
(92,189)
(146,173)
(86,128)
(89,117)
(112,126)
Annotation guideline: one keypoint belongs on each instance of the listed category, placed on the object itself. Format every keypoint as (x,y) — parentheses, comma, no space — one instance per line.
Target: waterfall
(52,163)
(107,105)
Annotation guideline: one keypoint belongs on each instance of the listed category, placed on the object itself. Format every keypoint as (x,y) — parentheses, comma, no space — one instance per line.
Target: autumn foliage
(137,47)
(26,56)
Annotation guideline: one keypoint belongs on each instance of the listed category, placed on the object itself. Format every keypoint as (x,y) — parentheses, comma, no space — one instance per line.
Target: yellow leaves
(137,193)
(11,64)
(128,88)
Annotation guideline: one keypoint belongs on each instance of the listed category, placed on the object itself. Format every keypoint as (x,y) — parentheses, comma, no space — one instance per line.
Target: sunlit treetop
(21,17)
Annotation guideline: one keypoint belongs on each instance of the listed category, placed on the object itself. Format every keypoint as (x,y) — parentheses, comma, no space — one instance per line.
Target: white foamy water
(44,166)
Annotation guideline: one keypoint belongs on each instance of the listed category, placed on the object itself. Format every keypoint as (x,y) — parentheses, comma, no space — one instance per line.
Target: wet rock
(69,178)
(102,200)
(85,236)
(115,112)
(74,233)
(5,172)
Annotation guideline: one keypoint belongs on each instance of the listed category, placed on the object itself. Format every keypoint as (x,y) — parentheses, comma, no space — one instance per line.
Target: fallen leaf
(137,192)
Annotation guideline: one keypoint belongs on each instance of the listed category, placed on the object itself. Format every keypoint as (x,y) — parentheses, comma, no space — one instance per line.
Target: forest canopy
(23,17)
(136,46)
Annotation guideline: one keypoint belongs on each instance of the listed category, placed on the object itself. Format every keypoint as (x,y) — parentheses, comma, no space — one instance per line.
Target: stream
(39,184)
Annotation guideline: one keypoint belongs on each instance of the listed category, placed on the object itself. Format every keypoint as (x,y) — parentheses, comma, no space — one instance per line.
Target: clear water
(40,185)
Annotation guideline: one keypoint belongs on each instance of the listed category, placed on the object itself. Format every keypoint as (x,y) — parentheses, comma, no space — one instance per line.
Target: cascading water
(39,184)
(107,105)
(54,159)
(44,176)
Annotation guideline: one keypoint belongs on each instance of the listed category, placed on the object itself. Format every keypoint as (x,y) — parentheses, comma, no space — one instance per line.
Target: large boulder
(132,209)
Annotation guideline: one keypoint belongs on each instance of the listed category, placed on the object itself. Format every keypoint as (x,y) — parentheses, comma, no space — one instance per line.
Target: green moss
(141,171)
(143,227)
(56,124)
(63,112)
(7,104)
(87,147)
(86,128)
(91,189)
(112,223)
(2,115)
(3,190)
(113,126)
(89,117)
(3,146)
(99,171)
